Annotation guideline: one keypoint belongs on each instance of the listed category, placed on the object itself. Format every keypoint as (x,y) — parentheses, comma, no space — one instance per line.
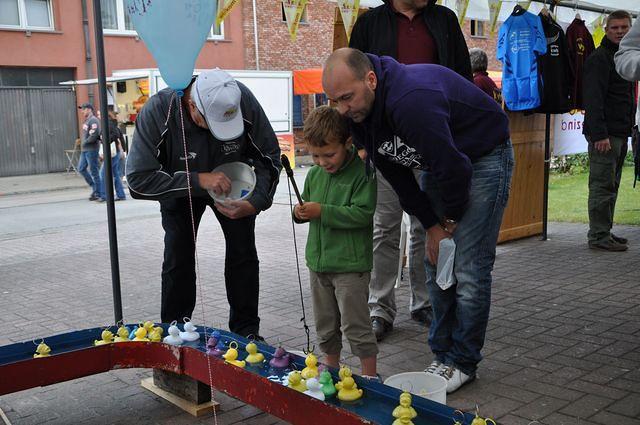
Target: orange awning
(307,81)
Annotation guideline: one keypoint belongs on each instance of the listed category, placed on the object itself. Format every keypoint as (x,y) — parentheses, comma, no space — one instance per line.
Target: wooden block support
(194,409)
(188,394)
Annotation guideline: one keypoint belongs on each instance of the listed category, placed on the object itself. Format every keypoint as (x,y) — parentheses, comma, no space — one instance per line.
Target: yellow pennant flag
(224,8)
(439,2)
(494,13)
(461,7)
(293,13)
(349,12)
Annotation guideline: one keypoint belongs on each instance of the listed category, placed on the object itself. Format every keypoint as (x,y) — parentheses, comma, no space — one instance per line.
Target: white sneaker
(435,367)
(455,378)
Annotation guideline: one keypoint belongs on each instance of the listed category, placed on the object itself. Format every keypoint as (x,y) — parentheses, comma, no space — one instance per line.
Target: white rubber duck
(314,389)
(189,333)
(174,335)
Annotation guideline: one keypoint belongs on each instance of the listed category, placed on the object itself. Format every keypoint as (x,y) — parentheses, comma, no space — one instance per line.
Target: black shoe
(380,327)
(121,199)
(423,315)
(100,200)
(619,240)
(609,245)
(93,197)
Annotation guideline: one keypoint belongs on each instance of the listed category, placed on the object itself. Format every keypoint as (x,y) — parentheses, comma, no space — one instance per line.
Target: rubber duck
(174,335)
(281,359)
(326,382)
(231,356)
(311,371)
(190,332)
(296,382)
(314,389)
(342,373)
(211,345)
(107,338)
(349,391)
(141,334)
(404,413)
(123,334)
(42,350)
(480,421)
(219,350)
(254,357)
(156,334)
(148,325)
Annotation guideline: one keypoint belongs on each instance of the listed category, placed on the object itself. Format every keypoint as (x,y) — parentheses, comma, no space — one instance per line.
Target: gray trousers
(387,222)
(605,172)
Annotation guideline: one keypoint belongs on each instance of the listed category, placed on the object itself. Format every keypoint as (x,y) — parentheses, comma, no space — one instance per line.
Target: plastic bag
(445,278)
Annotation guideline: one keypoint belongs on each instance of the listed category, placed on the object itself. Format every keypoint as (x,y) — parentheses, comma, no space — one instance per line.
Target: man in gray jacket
(90,145)
(222,122)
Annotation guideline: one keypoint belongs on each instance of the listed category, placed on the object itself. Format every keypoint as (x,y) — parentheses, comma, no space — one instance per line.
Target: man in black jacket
(410,31)
(609,115)
(222,122)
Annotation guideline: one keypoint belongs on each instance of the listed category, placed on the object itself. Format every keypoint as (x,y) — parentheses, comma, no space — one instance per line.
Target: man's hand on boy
(308,211)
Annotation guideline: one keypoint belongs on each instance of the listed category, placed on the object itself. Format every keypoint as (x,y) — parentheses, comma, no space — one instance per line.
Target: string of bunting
(224,8)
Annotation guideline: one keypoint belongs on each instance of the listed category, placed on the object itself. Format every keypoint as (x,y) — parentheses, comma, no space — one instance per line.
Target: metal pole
(575,5)
(547,163)
(106,149)
(255,35)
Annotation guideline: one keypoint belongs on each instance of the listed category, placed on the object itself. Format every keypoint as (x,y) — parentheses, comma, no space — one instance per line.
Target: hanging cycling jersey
(520,40)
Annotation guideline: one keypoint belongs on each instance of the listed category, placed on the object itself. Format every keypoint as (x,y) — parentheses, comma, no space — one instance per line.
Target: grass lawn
(568,196)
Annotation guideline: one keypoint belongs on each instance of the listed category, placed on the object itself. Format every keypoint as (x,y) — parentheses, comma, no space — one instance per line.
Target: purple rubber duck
(281,359)
(215,347)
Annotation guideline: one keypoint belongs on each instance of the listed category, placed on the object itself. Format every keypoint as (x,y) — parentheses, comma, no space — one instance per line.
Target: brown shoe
(608,245)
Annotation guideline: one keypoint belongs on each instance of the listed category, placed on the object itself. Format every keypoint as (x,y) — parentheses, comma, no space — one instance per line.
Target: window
(477,29)
(303,18)
(27,14)
(115,17)
(298,122)
(34,77)
(216,33)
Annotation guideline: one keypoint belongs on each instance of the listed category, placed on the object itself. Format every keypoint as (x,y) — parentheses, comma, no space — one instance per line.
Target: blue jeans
(117,178)
(461,313)
(89,159)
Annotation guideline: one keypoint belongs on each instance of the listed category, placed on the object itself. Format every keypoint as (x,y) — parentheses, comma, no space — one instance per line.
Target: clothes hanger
(518,10)
(575,7)
(544,11)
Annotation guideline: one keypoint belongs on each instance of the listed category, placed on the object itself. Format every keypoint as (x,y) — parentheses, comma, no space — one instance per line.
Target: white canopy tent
(479,9)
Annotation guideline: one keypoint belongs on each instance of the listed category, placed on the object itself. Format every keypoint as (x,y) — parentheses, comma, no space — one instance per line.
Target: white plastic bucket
(243,181)
(422,384)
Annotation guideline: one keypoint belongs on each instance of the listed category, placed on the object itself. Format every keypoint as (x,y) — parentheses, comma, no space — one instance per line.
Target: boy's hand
(309,211)
(296,212)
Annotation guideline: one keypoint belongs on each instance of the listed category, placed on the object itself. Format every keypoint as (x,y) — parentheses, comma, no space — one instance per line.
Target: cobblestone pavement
(563,343)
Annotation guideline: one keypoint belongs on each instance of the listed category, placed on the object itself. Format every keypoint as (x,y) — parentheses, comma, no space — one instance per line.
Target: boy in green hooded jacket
(339,202)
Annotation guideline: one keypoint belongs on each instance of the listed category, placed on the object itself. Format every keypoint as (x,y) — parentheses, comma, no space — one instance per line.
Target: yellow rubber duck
(296,382)
(404,413)
(254,357)
(349,391)
(156,334)
(123,334)
(141,334)
(480,421)
(43,350)
(231,356)
(311,371)
(148,325)
(344,372)
(107,338)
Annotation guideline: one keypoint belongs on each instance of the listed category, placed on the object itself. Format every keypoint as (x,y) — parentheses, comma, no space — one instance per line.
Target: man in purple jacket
(428,117)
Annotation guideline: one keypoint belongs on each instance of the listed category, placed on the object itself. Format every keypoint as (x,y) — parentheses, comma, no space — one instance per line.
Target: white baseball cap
(217,97)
